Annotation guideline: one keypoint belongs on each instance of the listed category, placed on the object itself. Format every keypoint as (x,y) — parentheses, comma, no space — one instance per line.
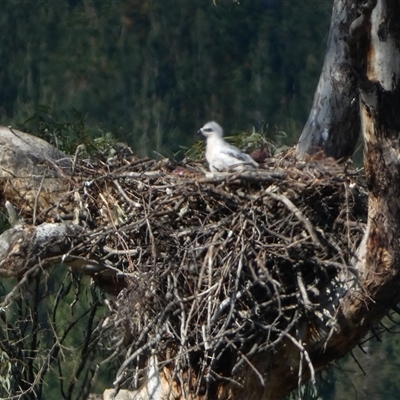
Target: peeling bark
(31,171)
(375,50)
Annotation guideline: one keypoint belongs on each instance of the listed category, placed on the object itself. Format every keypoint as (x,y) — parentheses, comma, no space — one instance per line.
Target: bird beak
(199,132)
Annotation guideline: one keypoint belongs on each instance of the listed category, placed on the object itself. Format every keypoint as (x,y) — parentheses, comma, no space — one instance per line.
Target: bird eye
(208,130)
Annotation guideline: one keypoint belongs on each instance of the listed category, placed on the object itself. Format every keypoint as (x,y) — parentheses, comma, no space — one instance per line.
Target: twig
(304,352)
(306,301)
(258,374)
(298,214)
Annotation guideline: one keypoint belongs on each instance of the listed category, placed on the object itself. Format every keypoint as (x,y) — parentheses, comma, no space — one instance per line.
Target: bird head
(211,129)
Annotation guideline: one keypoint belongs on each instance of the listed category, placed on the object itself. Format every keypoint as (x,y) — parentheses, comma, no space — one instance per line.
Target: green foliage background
(153,72)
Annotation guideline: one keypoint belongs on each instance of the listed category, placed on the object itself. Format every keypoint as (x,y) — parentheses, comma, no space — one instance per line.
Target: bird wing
(236,154)
(224,156)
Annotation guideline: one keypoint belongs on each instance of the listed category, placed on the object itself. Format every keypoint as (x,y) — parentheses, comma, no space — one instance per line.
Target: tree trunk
(334,121)
(374,43)
(374,56)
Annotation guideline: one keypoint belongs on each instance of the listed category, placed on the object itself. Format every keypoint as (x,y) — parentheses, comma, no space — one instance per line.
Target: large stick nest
(214,269)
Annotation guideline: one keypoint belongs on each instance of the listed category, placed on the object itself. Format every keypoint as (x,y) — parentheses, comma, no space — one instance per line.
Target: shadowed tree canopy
(152,73)
(218,285)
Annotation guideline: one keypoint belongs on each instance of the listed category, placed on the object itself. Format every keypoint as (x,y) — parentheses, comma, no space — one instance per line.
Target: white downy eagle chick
(220,155)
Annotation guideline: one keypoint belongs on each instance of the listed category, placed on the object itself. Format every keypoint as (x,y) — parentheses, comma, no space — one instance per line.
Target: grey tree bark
(333,125)
(374,43)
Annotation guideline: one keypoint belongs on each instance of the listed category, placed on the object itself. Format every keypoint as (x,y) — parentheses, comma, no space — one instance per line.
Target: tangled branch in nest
(215,269)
